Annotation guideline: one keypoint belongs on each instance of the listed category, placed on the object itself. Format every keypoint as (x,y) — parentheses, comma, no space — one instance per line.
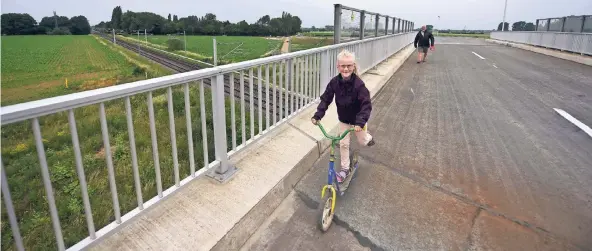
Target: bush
(175,44)
(138,71)
(59,31)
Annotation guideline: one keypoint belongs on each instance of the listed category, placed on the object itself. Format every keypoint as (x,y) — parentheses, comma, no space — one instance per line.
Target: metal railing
(290,83)
(565,24)
(355,24)
(573,42)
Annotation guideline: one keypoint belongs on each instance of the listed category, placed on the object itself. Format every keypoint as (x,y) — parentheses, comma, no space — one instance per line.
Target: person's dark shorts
(422,49)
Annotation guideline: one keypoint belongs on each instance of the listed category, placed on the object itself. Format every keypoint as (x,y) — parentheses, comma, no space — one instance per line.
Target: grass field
(461,35)
(19,155)
(230,48)
(35,67)
(305,43)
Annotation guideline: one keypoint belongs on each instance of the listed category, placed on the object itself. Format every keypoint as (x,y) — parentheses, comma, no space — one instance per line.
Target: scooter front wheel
(326,215)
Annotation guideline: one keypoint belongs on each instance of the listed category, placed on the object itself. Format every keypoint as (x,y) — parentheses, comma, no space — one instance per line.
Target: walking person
(423,39)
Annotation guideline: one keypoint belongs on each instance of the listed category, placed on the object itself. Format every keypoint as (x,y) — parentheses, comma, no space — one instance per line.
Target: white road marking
(478,55)
(575,121)
(494,65)
(412,92)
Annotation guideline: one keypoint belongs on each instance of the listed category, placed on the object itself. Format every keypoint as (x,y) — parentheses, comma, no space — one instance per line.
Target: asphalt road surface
(470,155)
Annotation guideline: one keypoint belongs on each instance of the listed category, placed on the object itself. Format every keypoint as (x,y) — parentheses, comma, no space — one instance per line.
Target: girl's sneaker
(341,176)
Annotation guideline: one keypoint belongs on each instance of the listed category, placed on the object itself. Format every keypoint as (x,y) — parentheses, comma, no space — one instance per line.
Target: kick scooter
(328,209)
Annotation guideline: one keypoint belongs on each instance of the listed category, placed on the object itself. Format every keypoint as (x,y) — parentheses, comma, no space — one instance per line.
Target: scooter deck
(354,167)
(343,186)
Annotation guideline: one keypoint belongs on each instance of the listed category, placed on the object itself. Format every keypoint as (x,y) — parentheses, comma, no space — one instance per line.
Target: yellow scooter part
(334,195)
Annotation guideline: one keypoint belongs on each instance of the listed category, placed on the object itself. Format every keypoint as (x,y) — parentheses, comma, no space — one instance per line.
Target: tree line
(25,24)
(517,26)
(206,25)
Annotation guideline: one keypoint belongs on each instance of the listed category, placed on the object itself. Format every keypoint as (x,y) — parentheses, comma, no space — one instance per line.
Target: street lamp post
(504,20)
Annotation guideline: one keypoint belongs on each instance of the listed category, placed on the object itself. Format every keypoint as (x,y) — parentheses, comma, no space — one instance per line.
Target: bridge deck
(470,155)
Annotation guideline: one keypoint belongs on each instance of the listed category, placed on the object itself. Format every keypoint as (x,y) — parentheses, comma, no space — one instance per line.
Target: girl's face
(346,66)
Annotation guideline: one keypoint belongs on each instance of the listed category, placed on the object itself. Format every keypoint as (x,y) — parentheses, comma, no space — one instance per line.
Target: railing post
(548,24)
(386,21)
(362,24)
(337,24)
(376,25)
(215,46)
(394,23)
(583,22)
(398,25)
(536,28)
(225,170)
(563,24)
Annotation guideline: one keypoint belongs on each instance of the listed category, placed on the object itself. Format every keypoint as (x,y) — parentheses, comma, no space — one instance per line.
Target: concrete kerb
(582,59)
(248,225)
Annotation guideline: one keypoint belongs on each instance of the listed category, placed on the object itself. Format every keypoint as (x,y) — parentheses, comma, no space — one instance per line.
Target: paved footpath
(470,156)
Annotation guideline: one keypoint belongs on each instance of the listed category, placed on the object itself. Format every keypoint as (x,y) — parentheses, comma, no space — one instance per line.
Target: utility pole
(145,37)
(215,53)
(185,41)
(504,20)
(114,36)
(138,41)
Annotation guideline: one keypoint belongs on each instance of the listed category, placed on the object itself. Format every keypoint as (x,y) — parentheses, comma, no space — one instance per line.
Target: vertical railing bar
(281,87)
(154,145)
(81,177)
(204,131)
(274,94)
(292,84)
(132,140)
(287,86)
(16,232)
(110,170)
(318,77)
(173,136)
(306,80)
(252,101)
(313,77)
(260,100)
(232,115)
(297,76)
(242,97)
(189,130)
(267,98)
(302,86)
(302,78)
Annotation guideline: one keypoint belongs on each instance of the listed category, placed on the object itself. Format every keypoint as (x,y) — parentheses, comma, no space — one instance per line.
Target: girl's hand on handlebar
(314,121)
(358,128)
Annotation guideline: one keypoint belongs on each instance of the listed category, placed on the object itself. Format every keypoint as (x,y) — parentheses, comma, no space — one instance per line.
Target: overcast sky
(454,14)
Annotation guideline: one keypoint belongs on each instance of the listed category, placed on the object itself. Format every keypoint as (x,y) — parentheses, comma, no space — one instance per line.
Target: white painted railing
(566,41)
(292,81)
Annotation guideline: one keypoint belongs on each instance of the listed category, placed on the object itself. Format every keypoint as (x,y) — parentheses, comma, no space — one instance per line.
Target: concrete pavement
(470,156)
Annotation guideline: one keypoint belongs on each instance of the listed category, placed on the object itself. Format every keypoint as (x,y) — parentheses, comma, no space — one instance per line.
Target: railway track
(179,65)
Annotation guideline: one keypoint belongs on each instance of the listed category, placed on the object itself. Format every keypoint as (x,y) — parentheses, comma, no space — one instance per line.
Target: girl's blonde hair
(347,54)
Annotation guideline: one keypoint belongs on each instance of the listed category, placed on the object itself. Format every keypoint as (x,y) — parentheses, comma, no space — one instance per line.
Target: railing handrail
(28,110)
(575,33)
